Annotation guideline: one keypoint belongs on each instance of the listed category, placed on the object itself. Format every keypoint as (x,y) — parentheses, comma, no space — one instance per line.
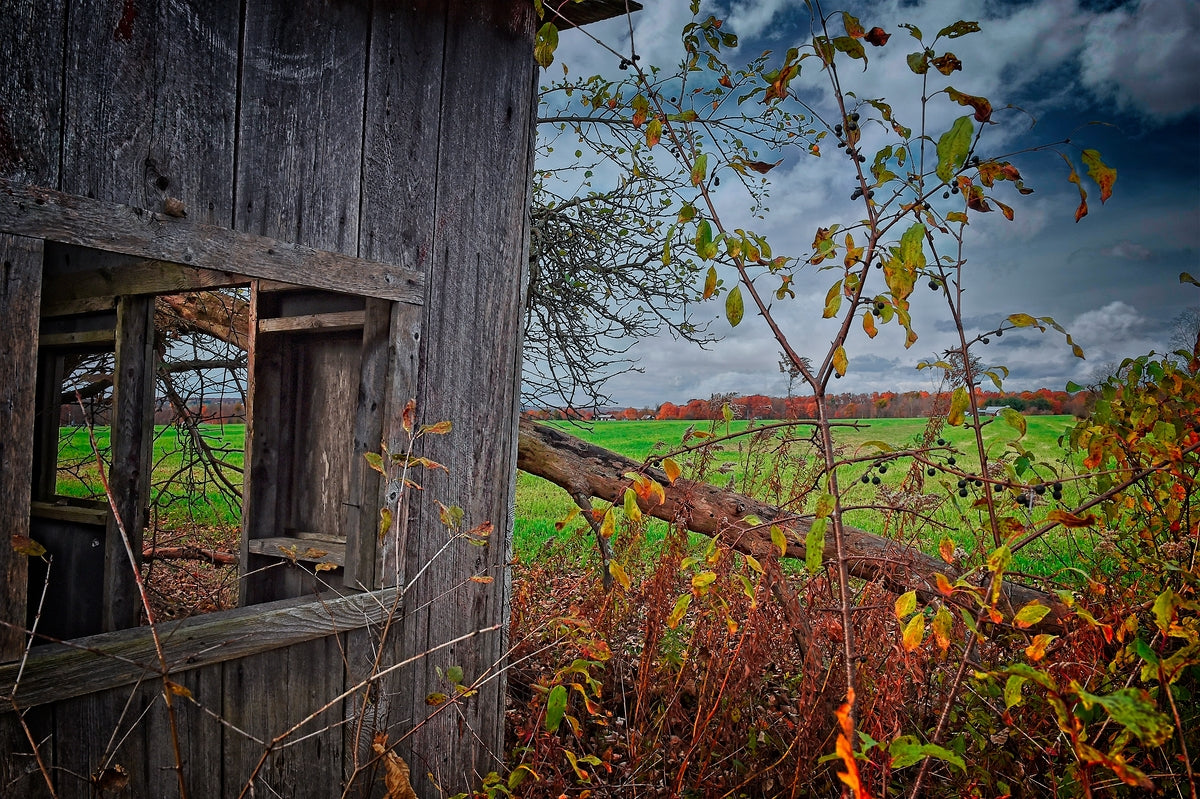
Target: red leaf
(877,36)
(983,108)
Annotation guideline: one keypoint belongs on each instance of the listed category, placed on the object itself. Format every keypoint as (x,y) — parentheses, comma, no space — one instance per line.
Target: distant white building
(992,410)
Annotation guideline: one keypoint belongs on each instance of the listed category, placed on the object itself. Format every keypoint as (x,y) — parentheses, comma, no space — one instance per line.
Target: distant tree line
(873,405)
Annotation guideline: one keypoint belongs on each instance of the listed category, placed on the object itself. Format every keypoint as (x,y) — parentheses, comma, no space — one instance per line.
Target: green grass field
(540,504)
(755,466)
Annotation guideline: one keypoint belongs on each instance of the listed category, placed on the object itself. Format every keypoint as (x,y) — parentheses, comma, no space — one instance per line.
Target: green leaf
(1030,614)
(733,306)
(699,169)
(918,63)
(824,506)
(1014,420)
(814,546)
(375,461)
(908,751)
(455,675)
(833,301)
(1012,690)
(1185,277)
(1133,709)
(953,148)
(556,707)
(960,28)
(677,612)
(545,44)
(703,580)
(906,603)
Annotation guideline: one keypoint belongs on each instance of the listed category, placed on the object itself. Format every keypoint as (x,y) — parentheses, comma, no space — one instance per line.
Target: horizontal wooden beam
(76,514)
(99,662)
(79,338)
(307,550)
(70,219)
(317,322)
(133,276)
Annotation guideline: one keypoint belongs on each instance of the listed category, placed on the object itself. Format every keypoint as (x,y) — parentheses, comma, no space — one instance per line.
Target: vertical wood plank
(51,369)
(153,769)
(264,696)
(19,772)
(132,460)
(468,375)
(31,91)
(20,301)
(360,519)
(150,104)
(300,126)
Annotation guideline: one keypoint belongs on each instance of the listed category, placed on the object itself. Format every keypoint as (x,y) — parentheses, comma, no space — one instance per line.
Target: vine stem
(168,688)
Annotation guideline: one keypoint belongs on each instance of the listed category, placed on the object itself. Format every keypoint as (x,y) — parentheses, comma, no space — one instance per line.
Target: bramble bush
(709,672)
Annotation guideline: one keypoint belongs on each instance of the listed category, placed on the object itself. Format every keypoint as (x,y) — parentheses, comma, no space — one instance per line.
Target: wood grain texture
(135,231)
(131,458)
(300,122)
(20,299)
(108,660)
(150,104)
(31,79)
(469,375)
(360,510)
(265,695)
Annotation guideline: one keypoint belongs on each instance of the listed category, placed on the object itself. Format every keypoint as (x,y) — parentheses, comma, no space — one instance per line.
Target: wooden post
(20,300)
(465,227)
(132,461)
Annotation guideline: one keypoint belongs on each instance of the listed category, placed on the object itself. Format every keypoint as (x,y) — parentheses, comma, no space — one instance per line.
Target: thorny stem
(165,669)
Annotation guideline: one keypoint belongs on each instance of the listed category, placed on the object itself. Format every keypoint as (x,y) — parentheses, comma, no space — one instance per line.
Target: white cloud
(1146,57)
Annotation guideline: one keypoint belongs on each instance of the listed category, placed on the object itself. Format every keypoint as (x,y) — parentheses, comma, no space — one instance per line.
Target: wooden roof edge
(576,13)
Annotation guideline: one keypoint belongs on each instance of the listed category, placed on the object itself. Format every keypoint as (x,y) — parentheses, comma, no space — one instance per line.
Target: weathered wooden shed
(363,167)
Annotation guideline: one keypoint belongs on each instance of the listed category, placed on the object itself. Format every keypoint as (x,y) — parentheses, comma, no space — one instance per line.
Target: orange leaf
(672,469)
(25,545)
(1070,519)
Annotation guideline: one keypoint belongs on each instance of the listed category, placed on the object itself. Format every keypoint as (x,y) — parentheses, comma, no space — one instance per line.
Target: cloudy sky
(1111,279)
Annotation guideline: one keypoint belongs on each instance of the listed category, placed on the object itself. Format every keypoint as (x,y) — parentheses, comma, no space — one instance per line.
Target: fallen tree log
(585,469)
(217,557)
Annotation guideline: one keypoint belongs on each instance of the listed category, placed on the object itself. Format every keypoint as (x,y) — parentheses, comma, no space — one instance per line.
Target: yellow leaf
(906,604)
(395,770)
(1037,650)
(943,626)
(178,690)
(681,606)
(658,492)
(618,573)
(385,522)
(325,567)
(436,698)
(914,632)
(959,403)
(609,525)
(779,539)
(632,511)
(840,361)
(672,469)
